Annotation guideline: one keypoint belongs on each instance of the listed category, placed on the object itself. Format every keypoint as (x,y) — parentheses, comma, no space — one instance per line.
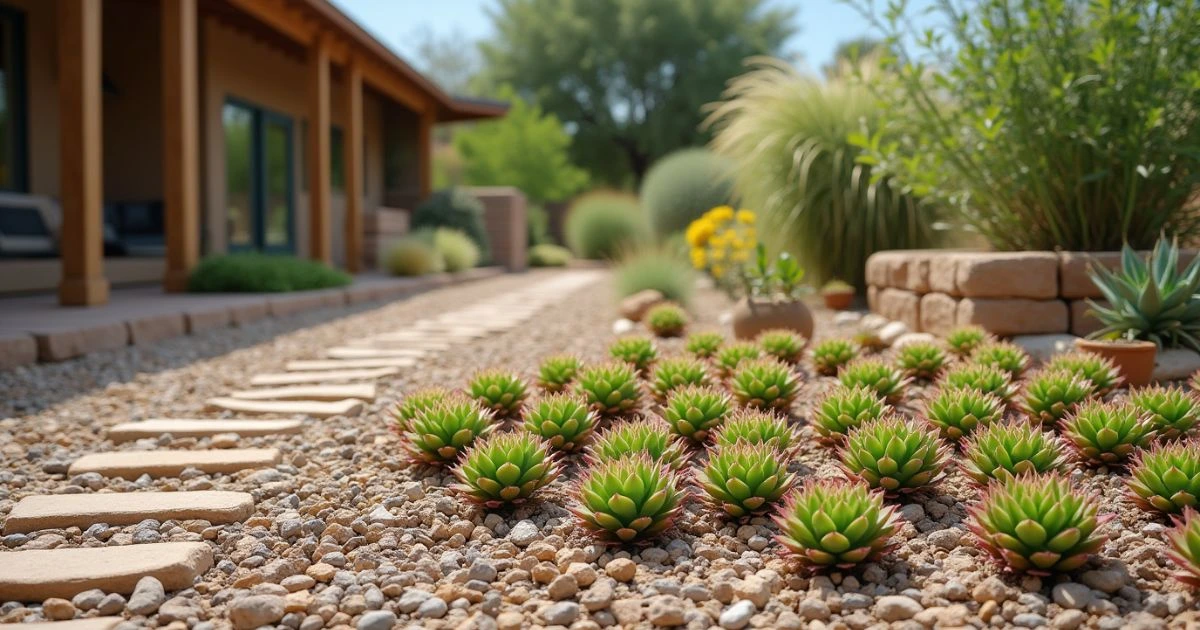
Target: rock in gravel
(945,538)
(560,613)
(58,609)
(524,533)
(738,615)
(635,307)
(1069,619)
(562,587)
(88,599)
(412,599)
(665,611)
(510,621)
(992,589)
(754,589)
(1072,595)
(377,620)
(813,609)
(1029,620)
(432,608)
(147,596)
(256,610)
(897,608)
(599,596)
(621,569)
(112,604)
(1108,580)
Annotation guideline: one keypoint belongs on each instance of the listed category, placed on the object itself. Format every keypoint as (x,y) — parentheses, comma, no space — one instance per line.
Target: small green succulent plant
(833,523)
(1037,524)
(505,468)
(415,403)
(667,320)
(1005,450)
(439,434)
(627,499)
(611,389)
(1106,433)
(1184,540)
(704,345)
(765,384)
(757,427)
(1051,395)
(894,454)
(694,412)
(844,408)
(957,411)
(1099,371)
(921,360)
(650,436)
(1173,412)
(783,344)
(501,391)
(730,356)
(1005,355)
(1166,477)
(636,351)
(874,373)
(564,420)
(985,378)
(745,479)
(1150,299)
(676,372)
(556,373)
(965,339)
(830,355)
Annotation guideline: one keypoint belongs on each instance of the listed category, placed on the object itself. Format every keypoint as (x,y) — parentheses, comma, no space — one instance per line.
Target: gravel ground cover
(347,534)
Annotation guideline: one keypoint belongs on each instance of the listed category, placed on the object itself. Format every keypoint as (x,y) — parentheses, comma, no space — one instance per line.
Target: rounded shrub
(453,208)
(262,273)
(602,224)
(457,249)
(549,255)
(684,185)
(413,256)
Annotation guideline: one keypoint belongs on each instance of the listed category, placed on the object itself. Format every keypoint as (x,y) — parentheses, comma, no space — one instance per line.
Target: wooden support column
(319,238)
(181,153)
(81,156)
(425,151)
(352,147)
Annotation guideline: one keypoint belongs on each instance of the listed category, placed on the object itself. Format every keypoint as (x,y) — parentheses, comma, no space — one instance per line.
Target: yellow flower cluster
(721,239)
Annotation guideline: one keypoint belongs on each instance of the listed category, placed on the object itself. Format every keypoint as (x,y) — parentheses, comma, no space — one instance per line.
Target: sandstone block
(60,511)
(314,408)
(943,272)
(36,574)
(900,305)
(134,464)
(199,320)
(872,298)
(350,352)
(322,376)
(361,391)
(1014,316)
(938,312)
(304,365)
(155,427)
(247,313)
(60,345)
(286,305)
(94,623)
(144,330)
(1031,275)
(17,349)
(1073,267)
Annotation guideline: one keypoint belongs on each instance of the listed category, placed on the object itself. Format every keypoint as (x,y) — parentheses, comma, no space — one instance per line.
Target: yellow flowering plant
(723,244)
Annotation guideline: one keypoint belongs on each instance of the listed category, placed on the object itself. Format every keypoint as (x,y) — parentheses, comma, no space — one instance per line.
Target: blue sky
(823,23)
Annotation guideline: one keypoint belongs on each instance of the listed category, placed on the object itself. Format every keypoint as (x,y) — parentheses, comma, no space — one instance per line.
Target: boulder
(634,307)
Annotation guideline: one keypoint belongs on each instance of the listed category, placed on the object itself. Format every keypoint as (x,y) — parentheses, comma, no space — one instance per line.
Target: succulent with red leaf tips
(844,408)
(836,523)
(742,479)
(765,384)
(965,339)
(501,391)
(666,320)
(611,389)
(636,351)
(1184,539)
(876,374)
(783,344)
(729,357)
(1173,411)
(1038,524)
(1101,372)
(1051,395)
(921,360)
(563,420)
(693,412)
(957,411)
(985,378)
(1166,477)
(757,427)
(830,355)
(627,499)
(415,403)
(894,454)
(1004,355)
(646,435)
(1004,450)
(704,345)
(556,373)
(439,434)
(505,468)
(676,372)
(1107,433)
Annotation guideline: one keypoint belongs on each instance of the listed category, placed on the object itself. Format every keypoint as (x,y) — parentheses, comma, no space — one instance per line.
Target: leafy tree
(850,51)
(451,60)
(527,148)
(629,77)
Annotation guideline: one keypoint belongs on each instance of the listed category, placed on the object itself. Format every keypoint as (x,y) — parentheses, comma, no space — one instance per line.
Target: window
(12,101)
(258,178)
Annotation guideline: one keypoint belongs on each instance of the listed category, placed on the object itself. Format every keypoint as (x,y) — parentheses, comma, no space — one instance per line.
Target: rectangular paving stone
(59,511)
(314,408)
(186,427)
(95,623)
(322,376)
(37,574)
(361,391)
(17,348)
(304,365)
(348,352)
(134,464)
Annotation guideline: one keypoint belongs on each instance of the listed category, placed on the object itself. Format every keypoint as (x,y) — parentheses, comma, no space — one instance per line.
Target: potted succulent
(837,295)
(772,298)
(1151,305)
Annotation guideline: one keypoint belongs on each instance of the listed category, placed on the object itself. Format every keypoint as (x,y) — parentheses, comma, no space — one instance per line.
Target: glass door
(258,179)
(277,183)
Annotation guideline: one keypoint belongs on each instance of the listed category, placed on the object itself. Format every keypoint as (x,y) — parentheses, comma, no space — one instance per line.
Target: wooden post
(181,153)
(319,237)
(425,151)
(80,154)
(352,148)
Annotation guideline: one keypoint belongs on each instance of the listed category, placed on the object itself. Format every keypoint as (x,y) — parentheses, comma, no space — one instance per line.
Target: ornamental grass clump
(1099,371)
(671,374)
(985,378)
(757,427)
(704,345)
(957,411)
(785,345)
(501,391)
(745,479)
(729,357)
(830,355)
(1166,477)
(636,351)
(1051,395)
(556,373)
(650,436)
(963,340)
(563,420)
(1037,524)
(894,454)
(1107,433)
(439,434)
(876,374)
(666,320)
(1184,539)
(845,408)
(611,389)
(415,403)
(694,412)
(1173,412)
(834,523)
(505,468)
(627,499)
(1005,355)
(765,384)
(921,360)
(1005,450)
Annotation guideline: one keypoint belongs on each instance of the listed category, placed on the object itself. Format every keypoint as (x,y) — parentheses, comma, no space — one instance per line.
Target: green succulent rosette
(894,454)
(830,355)
(1166,477)
(745,479)
(1005,450)
(505,469)
(563,420)
(694,412)
(830,523)
(440,434)
(627,499)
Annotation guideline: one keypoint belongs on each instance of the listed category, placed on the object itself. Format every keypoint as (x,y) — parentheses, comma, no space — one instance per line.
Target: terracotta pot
(752,316)
(838,300)
(1134,359)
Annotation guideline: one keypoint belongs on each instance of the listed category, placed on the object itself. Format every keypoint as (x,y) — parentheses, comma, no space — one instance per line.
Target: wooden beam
(181,140)
(319,237)
(281,17)
(81,153)
(386,80)
(352,147)
(425,152)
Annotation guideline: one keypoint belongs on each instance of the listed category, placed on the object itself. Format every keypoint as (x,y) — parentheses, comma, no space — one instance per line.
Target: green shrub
(602,224)
(548,255)
(454,208)
(787,135)
(537,224)
(413,256)
(457,249)
(261,273)
(683,185)
(655,269)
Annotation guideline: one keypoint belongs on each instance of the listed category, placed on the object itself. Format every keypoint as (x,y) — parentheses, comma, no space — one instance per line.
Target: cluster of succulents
(628,498)
(830,355)
(730,356)
(1099,371)
(439,434)
(836,523)
(501,391)
(1166,477)
(415,403)
(666,320)
(676,372)
(844,408)
(875,374)
(638,352)
(1004,355)
(1173,412)
(1006,450)
(957,411)
(704,345)
(785,345)
(693,412)
(611,389)
(556,373)
(505,468)
(963,340)
(1051,395)
(564,420)
(921,360)
(1107,433)
(757,427)
(894,454)
(745,478)
(645,435)
(764,384)
(985,378)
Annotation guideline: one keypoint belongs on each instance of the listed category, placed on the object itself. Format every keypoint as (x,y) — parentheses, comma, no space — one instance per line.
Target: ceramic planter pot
(838,300)
(1134,359)
(752,316)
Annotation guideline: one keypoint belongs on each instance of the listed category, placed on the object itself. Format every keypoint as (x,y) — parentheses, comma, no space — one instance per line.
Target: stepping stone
(37,574)
(380,343)
(345,352)
(314,408)
(322,376)
(305,365)
(134,464)
(60,511)
(129,431)
(361,391)
(95,623)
